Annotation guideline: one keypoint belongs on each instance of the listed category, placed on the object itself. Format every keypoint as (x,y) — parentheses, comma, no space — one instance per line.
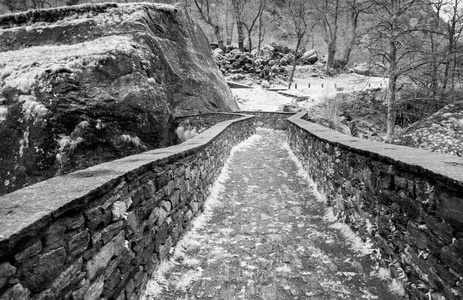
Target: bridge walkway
(266,235)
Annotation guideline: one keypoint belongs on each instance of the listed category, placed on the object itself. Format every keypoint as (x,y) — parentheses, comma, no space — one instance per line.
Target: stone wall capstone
(408,201)
(99,233)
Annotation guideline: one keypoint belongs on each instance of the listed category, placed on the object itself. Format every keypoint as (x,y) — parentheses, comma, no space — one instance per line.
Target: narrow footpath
(266,235)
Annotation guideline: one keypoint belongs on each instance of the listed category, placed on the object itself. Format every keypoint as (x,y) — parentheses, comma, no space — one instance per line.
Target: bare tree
(209,13)
(299,12)
(393,41)
(328,13)
(253,14)
(260,32)
(354,9)
(454,30)
(431,55)
(229,24)
(238,8)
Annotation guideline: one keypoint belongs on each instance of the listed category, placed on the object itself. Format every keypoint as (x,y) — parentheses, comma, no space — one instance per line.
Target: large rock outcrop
(86,84)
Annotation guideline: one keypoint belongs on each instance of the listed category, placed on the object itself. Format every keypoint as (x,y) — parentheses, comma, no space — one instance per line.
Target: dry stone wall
(272,120)
(408,201)
(99,233)
(202,122)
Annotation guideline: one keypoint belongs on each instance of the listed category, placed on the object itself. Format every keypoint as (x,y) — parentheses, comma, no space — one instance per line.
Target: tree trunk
(391,103)
(451,30)
(331,38)
(331,55)
(228,29)
(239,23)
(230,34)
(353,36)
(229,23)
(446,77)
(249,41)
(293,70)
(239,29)
(219,37)
(453,74)
(260,34)
(434,70)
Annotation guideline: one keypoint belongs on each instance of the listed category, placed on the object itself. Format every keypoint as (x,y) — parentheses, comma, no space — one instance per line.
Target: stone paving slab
(266,235)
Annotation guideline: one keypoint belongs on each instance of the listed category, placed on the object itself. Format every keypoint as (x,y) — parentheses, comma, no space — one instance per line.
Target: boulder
(265,84)
(245,59)
(309,57)
(235,52)
(279,48)
(368,69)
(362,69)
(86,84)
(217,54)
(231,47)
(267,51)
(292,107)
(289,58)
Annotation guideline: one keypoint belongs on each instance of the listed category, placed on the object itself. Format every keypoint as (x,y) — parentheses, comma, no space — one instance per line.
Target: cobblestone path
(266,236)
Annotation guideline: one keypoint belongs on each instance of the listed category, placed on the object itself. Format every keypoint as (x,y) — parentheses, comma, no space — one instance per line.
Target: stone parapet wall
(273,120)
(202,122)
(99,233)
(408,201)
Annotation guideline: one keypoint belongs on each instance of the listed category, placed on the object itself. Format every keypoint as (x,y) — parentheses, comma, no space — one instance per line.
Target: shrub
(185,135)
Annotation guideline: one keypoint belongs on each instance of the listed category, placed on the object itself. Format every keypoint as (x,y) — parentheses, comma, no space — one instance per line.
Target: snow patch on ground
(315,88)
(258,99)
(303,173)
(360,247)
(356,243)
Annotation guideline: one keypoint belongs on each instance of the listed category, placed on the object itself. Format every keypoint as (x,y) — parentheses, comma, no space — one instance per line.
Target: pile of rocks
(441,132)
(271,60)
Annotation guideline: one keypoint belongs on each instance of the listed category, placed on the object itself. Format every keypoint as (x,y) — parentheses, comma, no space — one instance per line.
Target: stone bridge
(296,211)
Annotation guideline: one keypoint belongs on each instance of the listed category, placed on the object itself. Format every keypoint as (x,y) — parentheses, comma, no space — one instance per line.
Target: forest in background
(416,44)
